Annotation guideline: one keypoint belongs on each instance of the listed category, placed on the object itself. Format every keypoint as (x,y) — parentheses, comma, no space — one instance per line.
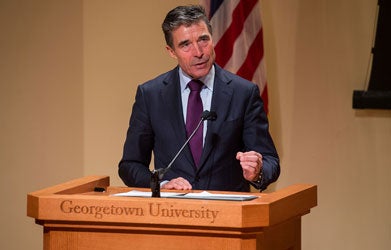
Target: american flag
(238,38)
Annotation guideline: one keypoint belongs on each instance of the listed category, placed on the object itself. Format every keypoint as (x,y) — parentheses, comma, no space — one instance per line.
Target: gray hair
(183,15)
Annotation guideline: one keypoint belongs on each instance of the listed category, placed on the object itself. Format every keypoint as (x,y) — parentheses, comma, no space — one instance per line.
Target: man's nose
(197,50)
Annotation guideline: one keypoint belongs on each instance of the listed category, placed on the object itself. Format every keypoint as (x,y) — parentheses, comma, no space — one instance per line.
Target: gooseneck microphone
(157,174)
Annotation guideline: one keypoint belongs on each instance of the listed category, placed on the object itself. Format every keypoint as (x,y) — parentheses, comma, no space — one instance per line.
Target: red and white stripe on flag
(238,38)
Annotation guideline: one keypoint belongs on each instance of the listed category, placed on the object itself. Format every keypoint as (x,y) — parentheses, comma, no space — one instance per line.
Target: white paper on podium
(136,193)
(200,195)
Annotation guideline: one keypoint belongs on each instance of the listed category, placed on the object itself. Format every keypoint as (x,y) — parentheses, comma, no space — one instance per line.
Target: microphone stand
(157,174)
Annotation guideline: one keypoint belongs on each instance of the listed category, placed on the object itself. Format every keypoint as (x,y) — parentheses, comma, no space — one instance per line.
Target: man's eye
(184,45)
(204,38)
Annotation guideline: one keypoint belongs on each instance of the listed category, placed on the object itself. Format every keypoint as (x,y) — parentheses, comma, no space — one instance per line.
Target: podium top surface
(90,199)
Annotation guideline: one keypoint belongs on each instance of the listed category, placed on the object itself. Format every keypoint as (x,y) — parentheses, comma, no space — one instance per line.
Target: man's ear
(171,52)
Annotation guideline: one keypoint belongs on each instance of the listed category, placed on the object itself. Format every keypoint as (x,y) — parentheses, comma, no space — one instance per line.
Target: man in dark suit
(237,149)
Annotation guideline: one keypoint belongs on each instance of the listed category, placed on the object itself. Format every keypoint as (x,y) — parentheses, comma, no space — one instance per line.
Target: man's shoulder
(162,78)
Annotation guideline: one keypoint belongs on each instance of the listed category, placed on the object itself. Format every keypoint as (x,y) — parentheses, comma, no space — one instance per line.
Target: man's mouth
(200,64)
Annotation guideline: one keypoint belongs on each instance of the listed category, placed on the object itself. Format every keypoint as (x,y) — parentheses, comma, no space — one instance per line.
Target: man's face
(193,48)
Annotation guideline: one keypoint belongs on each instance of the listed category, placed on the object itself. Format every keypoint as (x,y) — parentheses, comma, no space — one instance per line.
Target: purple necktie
(193,117)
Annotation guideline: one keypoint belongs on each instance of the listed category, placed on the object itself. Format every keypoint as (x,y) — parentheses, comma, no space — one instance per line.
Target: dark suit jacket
(157,125)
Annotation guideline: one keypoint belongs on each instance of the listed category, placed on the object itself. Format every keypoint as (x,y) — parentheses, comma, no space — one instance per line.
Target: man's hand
(251,163)
(178,184)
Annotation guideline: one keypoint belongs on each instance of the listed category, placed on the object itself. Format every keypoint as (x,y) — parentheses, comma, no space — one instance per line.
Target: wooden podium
(78,215)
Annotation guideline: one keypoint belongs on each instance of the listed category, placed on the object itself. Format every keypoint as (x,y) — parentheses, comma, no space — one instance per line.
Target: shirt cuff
(163,183)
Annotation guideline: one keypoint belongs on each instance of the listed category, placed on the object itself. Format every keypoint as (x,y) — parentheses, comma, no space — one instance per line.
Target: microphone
(157,174)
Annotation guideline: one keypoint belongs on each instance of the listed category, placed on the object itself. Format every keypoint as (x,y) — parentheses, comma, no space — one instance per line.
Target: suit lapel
(171,96)
(221,99)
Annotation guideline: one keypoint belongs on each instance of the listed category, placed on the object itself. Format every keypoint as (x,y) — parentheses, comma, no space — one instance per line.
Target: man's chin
(200,71)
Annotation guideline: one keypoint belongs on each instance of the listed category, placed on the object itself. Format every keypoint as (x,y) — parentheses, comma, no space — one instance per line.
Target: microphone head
(209,115)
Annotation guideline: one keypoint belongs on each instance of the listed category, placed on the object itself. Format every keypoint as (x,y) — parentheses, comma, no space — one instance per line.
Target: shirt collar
(207,80)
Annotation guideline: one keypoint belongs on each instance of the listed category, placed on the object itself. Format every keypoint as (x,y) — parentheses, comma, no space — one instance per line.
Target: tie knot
(195,85)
